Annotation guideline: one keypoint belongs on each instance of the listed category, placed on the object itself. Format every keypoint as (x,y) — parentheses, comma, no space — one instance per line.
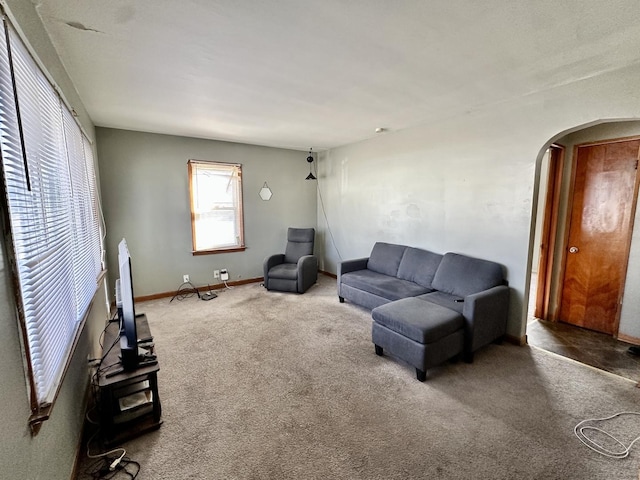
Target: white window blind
(216,206)
(95,214)
(50,191)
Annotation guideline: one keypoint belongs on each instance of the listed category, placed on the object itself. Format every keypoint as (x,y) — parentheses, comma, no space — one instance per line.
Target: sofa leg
(468,357)
(341,299)
(421,375)
(379,350)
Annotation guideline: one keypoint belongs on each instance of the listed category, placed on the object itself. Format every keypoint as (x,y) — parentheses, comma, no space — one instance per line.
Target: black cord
(183,292)
(100,469)
(117,339)
(326,220)
(104,330)
(99,369)
(104,369)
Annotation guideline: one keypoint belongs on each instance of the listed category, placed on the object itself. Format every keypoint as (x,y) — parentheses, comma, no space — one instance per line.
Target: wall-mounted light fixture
(310,160)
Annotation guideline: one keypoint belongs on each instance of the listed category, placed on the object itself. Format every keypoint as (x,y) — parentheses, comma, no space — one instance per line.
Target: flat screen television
(126,312)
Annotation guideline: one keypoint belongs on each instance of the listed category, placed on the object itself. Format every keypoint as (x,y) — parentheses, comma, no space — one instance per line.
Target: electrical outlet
(224,274)
(216,274)
(185,278)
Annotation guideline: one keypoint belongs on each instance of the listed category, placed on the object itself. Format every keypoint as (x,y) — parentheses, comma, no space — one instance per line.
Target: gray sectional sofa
(427,307)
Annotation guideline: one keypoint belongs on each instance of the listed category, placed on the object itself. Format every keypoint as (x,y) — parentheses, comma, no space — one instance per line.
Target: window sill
(219,250)
(41,413)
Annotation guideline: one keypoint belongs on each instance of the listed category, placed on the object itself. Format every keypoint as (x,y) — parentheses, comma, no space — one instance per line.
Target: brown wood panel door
(599,235)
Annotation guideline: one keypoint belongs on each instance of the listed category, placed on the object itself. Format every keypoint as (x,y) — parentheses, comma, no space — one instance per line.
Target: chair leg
(468,357)
(341,299)
(379,350)
(421,375)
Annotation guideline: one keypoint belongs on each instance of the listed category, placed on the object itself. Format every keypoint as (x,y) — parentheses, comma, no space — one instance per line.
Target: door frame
(567,226)
(548,234)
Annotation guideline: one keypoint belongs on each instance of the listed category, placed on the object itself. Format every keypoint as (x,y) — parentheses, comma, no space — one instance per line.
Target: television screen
(128,333)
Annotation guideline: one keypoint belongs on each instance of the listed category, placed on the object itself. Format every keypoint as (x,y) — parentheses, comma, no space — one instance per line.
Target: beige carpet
(266,385)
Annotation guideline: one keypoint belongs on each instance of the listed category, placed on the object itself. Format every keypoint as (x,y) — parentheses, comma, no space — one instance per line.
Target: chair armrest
(485,315)
(307,272)
(269,263)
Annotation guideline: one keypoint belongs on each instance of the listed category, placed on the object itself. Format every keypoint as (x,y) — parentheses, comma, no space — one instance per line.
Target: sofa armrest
(352,265)
(349,266)
(307,272)
(485,315)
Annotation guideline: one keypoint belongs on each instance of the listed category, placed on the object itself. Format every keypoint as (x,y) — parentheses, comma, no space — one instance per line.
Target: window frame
(238,208)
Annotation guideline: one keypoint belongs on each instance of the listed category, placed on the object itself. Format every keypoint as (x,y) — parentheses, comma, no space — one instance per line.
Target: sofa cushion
(444,300)
(461,275)
(419,266)
(382,285)
(421,321)
(385,258)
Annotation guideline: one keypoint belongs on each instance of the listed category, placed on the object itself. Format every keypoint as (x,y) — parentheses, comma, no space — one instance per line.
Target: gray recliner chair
(295,270)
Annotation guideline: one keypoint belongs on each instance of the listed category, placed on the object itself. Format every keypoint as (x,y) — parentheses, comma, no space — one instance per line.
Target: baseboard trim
(520,341)
(328,274)
(217,286)
(629,339)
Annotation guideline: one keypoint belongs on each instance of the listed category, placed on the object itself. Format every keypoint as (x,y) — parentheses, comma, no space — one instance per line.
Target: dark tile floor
(582,345)
(585,346)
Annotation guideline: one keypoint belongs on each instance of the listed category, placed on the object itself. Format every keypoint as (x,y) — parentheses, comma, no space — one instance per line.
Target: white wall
(146,200)
(463,184)
(51,454)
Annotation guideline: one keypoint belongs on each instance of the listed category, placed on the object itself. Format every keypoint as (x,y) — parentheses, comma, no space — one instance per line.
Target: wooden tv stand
(129,403)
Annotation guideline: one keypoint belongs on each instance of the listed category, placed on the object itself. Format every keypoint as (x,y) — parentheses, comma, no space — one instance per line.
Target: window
(216,206)
(50,193)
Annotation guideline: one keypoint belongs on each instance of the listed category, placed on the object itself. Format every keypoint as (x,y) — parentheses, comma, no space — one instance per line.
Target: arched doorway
(547,323)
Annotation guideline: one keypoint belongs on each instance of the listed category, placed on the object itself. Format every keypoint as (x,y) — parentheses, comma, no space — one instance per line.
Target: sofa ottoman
(421,333)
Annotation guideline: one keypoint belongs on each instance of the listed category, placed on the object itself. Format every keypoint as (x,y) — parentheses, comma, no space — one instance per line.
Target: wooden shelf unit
(129,403)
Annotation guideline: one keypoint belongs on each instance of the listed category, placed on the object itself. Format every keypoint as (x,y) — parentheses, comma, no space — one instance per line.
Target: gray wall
(409,188)
(51,454)
(464,184)
(146,200)
(630,316)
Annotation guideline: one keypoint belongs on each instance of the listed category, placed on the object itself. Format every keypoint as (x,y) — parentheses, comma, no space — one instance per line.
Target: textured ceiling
(301,73)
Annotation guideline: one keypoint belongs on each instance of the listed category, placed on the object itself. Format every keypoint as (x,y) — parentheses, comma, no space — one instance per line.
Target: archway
(553,200)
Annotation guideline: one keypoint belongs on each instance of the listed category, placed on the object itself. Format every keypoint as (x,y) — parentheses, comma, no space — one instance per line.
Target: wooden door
(602,213)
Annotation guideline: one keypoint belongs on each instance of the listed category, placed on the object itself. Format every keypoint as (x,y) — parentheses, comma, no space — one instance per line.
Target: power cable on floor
(185,292)
(587,426)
